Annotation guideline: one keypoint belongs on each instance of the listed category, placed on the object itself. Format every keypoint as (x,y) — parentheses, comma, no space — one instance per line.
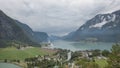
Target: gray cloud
(56,17)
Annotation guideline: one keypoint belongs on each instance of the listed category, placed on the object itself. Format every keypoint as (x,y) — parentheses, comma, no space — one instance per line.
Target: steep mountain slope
(33,35)
(13,30)
(41,37)
(103,27)
(10,31)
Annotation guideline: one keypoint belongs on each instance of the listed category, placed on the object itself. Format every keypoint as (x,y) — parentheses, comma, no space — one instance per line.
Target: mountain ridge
(35,36)
(13,30)
(102,27)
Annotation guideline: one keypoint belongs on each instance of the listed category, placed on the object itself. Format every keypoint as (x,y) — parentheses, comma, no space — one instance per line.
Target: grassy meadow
(12,53)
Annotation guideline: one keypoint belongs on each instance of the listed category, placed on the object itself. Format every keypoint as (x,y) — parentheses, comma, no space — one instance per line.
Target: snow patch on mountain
(113,18)
(99,25)
(104,21)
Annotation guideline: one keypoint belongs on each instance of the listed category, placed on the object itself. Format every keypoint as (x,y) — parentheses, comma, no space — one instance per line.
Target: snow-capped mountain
(103,27)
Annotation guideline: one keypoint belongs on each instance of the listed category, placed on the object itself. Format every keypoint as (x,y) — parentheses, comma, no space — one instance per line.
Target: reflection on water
(82,45)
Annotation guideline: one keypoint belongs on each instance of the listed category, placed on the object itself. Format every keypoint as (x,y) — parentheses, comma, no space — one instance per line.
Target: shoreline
(14,63)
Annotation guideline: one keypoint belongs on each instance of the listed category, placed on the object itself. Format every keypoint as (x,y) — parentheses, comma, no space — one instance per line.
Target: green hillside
(101,62)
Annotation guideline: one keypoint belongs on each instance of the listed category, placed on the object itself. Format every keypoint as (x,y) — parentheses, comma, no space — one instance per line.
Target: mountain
(33,35)
(10,31)
(41,37)
(102,27)
(53,38)
(13,30)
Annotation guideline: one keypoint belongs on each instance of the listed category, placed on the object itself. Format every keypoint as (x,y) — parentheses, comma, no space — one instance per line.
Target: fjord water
(75,46)
(8,65)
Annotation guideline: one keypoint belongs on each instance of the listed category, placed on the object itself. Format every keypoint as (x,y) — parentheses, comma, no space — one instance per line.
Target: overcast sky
(56,17)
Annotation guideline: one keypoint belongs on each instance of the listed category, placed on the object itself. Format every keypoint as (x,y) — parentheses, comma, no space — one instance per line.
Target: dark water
(82,45)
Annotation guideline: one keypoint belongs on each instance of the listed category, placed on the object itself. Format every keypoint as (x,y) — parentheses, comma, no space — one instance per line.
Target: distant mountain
(41,37)
(103,27)
(12,30)
(53,38)
(35,36)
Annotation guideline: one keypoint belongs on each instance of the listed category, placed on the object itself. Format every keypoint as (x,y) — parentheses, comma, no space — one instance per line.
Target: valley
(95,44)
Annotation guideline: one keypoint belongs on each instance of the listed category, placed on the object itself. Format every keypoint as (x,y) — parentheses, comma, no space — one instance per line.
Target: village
(66,59)
(63,58)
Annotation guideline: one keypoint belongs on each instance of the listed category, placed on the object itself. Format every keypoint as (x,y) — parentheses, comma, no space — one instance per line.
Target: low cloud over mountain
(56,14)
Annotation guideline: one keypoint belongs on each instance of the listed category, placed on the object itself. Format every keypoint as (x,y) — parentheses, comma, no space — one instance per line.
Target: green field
(12,53)
(101,62)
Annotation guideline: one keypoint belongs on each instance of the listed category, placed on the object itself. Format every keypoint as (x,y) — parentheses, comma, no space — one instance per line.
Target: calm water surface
(8,65)
(82,45)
